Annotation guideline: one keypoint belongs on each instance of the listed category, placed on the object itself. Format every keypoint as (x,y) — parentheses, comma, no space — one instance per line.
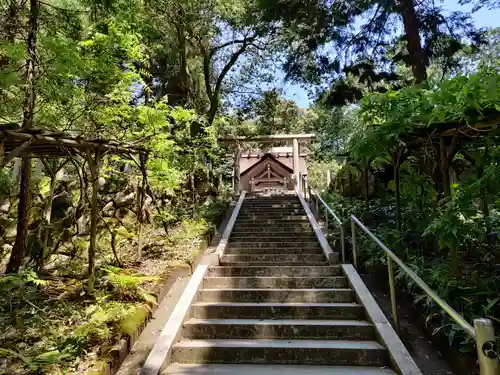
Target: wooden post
(296,161)
(237,155)
(94,164)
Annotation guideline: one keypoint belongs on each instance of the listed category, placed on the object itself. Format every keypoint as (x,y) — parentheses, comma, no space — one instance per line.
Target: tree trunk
(30,77)
(183,65)
(94,164)
(412,36)
(214,107)
(214,94)
(20,246)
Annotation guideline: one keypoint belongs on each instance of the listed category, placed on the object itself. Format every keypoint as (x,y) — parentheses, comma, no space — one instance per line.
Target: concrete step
(287,310)
(309,235)
(275,198)
(278,329)
(276,282)
(276,295)
(274,244)
(263,230)
(309,271)
(273,226)
(274,258)
(271,205)
(273,216)
(313,352)
(281,220)
(241,369)
(273,263)
(264,250)
(274,237)
(272,211)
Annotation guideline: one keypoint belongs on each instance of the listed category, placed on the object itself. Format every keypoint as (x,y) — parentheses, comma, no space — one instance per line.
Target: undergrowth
(466,276)
(50,325)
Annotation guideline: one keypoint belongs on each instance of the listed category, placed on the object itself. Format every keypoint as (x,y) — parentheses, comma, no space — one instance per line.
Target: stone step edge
(285,344)
(275,254)
(332,267)
(272,369)
(337,305)
(281,322)
(313,290)
(276,277)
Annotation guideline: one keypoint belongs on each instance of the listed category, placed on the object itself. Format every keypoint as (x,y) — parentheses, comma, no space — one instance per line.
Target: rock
(107,198)
(5,207)
(61,175)
(101,182)
(4,219)
(5,249)
(10,234)
(83,224)
(128,168)
(109,209)
(123,199)
(125,215)
(60,204)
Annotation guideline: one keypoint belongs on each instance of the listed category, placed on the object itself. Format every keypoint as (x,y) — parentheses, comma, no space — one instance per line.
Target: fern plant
(127,285)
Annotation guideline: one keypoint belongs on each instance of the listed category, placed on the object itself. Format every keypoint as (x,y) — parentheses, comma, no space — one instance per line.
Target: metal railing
(483,330)
(311,195)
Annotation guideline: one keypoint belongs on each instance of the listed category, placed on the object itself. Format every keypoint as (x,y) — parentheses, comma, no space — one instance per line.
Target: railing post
(326,222)
(317,206)
(392,288)
(486,347)
(342,240)
(353,234)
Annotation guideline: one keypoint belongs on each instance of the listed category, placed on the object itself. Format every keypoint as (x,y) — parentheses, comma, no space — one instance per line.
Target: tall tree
(19,249)
(211,41)
(326,38)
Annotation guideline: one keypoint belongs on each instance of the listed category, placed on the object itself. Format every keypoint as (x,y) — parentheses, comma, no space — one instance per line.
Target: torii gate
(278,168)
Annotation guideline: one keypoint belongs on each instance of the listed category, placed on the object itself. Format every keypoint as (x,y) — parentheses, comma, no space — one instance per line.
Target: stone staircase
(275,300)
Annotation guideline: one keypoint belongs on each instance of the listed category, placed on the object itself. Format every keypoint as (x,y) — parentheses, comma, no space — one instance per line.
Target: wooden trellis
(17,142)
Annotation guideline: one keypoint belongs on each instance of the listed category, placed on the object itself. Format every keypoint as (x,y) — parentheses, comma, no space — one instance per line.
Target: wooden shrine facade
(261,168)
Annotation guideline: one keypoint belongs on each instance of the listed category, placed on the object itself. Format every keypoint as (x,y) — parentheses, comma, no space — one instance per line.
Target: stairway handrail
(483,330)
(308,191)
(426,288)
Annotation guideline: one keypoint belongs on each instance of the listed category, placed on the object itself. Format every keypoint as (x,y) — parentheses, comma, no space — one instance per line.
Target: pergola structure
(19,142)
(276,168)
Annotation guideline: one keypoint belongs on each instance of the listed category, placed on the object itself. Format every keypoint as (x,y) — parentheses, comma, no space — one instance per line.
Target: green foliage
(462,98)
(126,286)
(106,320)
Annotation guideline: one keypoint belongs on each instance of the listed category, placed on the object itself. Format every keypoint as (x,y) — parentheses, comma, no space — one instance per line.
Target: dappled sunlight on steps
(275,299)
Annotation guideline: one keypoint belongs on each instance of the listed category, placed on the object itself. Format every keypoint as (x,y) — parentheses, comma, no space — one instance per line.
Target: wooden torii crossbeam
(294,138)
